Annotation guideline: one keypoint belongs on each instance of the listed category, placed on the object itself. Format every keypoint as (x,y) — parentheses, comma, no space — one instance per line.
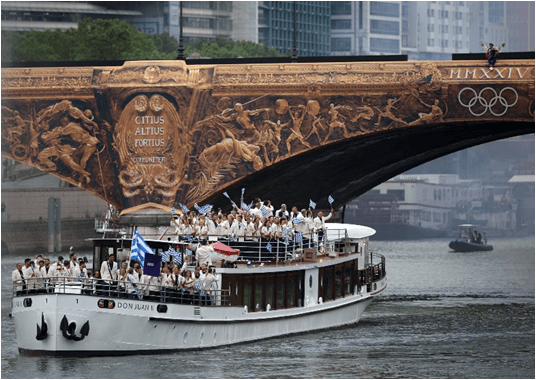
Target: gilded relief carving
(173,133)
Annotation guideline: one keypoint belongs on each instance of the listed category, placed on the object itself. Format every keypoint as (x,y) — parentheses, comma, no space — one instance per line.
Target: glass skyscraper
(312,26)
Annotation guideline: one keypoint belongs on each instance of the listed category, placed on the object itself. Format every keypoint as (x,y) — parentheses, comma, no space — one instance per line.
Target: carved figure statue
(296,127)
(334,122)
(389,113)
(271,138)
(435,116)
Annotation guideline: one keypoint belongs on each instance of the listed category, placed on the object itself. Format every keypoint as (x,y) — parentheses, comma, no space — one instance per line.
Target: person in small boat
(18,279)
(478,238)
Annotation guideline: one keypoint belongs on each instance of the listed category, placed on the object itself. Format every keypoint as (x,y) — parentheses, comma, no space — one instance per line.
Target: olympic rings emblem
(492,102)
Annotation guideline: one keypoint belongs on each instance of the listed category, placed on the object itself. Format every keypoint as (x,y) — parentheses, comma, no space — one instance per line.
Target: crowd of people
(174,284)
(260,222)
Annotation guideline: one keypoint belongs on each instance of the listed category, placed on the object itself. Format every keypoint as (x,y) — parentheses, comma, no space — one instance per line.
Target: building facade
(312,26)
(365,27)
(487,24)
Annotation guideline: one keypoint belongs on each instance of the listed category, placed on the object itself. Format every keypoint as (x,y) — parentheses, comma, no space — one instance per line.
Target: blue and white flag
(299,237)
(297,221)
(269,247)
(165,255)
(79,277)
(245,207)
(330,200)
(184,208)
(285,241)
(177,258)
(204,209)
(196,207)
(198,287)
(226,195)
(242,196)
(139,248)
(173,210)
(188,252)
(264,211)
(312,204)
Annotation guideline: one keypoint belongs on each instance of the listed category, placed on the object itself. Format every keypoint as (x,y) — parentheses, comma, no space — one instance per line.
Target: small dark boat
(464,246)
(470,240)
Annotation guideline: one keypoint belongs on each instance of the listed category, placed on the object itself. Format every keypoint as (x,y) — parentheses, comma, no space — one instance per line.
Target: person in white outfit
(320,226)
(19,282)
(203,252)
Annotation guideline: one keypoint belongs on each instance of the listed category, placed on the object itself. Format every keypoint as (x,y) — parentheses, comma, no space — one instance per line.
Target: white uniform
(17,280)
(202,255)
(212,229)
(27,273)
(40,275)
(109,271)
(320,223)
(209,280)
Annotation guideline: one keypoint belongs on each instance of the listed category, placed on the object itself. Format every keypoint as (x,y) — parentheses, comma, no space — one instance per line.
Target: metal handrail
(123,290)
(254,247)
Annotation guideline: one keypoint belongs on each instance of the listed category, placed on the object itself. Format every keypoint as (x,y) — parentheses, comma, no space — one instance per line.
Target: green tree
(166,44)
(113,40)
(226,48)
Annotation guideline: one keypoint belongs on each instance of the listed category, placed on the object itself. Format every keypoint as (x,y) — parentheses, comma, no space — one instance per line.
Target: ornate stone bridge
(168,133)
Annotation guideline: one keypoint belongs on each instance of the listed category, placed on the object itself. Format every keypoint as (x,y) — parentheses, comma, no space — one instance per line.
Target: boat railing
(255,248)
(123,290)
(376,272)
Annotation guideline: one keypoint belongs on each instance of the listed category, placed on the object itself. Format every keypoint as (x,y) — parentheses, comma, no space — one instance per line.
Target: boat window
(329,286)
(270,293)
(280,294)
(236,289)
(347,280)
(258,295)
(311,281)
(338,284)
(290,293)
(248,295)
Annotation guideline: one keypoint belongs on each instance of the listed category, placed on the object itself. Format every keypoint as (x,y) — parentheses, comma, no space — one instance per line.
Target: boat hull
(463,246)
(137,327)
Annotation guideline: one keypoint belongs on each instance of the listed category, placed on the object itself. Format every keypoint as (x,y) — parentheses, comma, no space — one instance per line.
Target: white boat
(302,291)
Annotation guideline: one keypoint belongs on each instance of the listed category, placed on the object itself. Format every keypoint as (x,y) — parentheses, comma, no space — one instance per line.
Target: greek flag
(226,195)
(299,237)
(188,252)
(173,210)
(177,258)
(184,208)
(330,200)
(312,204)
(286,240)
(269,247)
(204,209)
(79,277)
(165,255)
(188,237)
(245,207)
(139,248)
(264,211)
(198,287)
(196,207)
(297,221)
(242,196)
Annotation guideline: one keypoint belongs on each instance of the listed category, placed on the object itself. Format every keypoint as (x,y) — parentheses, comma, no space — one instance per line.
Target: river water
(444,315)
